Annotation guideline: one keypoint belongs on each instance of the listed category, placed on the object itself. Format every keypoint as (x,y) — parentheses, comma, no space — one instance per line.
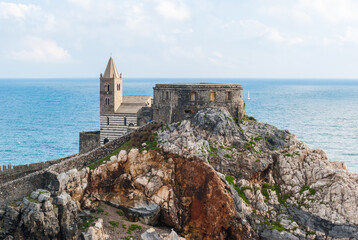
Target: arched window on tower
(107,101)
(118,87)
(107,88)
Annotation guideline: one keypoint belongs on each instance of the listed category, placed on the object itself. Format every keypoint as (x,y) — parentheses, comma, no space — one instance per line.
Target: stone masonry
(178,101)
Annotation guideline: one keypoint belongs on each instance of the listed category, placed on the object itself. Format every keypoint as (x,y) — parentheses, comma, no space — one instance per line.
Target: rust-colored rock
(212,213)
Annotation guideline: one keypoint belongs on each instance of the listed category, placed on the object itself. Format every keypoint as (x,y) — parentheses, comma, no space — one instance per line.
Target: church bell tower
(111,89)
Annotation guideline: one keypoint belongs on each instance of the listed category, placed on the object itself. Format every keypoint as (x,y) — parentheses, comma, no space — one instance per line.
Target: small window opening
(229,96)
(118,87)
(106,87)
(125,121)
(107,120)
(167,95)
(107,101)
(212,96)
(192,96)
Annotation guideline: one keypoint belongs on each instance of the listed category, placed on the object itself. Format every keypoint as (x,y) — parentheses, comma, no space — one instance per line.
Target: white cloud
(306,11)
(16,10)
(81,3)
(173,10)
(350,35)
(182,31)
(333,11)
(215,57)
(247,29)
(41,50)
(135,17)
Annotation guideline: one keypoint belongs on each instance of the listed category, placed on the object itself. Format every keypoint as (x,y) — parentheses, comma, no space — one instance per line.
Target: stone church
(118,112)
(172,102)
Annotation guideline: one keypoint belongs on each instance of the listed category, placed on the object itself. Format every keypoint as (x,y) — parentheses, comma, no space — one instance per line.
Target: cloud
(215,57)
(41,50)
(16,10)
(135,17)
(81,3)
(306,11)
(246,29)
(333,11)
(173,10)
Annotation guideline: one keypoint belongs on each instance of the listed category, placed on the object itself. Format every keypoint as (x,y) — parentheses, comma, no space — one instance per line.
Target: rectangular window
(192,96)
(229,96)
(118,87)
(107,120)
(167,95)
(107,101)
(125,121)
(212,96)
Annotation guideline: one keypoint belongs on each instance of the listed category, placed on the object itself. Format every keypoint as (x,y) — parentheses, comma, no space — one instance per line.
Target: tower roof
(111,70)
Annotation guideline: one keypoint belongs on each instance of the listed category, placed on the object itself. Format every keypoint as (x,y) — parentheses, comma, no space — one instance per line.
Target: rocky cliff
(208,178)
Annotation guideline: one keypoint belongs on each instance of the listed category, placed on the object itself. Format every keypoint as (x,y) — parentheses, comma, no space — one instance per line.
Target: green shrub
(114,223)
(120,213)
(85,224)
(132,228)
(229,179)
(305,188)
(99,210)
(125,146)
(240,191)
(228,156)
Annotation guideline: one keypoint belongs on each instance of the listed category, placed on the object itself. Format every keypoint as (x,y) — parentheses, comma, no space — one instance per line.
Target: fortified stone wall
(15,190)
(178,101)
(89,141)
(9,173)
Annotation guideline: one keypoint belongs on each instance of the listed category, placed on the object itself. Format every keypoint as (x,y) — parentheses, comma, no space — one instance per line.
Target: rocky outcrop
(208,178)
(181,193)
(96,232)
(290,190)
(39,216)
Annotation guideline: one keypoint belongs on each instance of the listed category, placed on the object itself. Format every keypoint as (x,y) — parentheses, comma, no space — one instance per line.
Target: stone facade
(178,101)
(118,112)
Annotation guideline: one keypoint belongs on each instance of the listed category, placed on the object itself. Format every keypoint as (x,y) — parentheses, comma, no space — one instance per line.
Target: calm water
(40,119)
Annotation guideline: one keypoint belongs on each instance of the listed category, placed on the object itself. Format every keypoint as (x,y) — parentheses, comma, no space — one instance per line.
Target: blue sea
(40,119)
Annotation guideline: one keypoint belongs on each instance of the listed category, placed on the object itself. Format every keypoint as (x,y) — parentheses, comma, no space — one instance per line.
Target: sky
(180,38)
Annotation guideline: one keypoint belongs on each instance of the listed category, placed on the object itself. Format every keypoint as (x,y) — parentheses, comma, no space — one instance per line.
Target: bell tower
(111,89)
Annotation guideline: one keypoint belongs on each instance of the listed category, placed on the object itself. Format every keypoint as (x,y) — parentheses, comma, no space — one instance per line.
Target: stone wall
(9,173)
(16,189)
(145,115)
(178,101)
(89,141)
